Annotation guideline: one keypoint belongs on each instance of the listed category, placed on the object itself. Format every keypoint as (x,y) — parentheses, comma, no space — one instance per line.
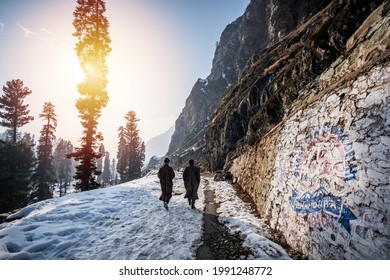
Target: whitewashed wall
(332,172)
(322,177)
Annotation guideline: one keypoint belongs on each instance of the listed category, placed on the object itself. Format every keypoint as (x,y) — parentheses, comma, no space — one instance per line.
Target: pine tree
(131,149)
(44,175)
(63,165)
(122,152)
(92,49)
(14,113)
(17,158)
(106,176)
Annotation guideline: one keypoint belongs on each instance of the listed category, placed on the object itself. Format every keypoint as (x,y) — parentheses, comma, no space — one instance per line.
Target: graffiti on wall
(324,169)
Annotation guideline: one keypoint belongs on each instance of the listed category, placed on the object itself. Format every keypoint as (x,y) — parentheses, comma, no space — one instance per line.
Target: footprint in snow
(30,228)
(13,247)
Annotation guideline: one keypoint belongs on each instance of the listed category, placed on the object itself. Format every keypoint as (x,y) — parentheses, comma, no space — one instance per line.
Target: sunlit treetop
(93,38)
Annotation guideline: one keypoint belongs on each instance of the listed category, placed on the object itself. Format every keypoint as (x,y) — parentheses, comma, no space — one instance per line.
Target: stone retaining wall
(321,176)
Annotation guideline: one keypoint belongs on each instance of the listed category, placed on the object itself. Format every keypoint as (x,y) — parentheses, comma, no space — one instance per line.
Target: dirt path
(218,242)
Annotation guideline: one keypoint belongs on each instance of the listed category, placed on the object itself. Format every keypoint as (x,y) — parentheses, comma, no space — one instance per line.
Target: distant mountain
(158,146)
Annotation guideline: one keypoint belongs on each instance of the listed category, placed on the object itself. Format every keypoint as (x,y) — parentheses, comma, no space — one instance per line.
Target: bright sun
(73,69)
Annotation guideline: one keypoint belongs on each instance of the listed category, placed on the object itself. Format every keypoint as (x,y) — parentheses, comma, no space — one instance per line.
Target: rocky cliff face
(265,91)
(263,23)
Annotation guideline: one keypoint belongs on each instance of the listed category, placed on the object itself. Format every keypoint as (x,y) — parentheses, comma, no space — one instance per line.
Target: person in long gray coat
(191,177)
(166,175)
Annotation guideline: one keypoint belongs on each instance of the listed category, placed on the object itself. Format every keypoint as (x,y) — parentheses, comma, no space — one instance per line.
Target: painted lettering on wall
(324,168)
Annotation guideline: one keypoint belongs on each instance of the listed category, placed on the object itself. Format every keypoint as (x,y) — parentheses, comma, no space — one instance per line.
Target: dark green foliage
(16,166)
(44,176)
(14,113)
(17,157)
(86,171)
(122,152)
(131,150)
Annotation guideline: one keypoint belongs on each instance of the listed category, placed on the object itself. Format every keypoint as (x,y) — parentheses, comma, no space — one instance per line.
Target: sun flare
(73,69)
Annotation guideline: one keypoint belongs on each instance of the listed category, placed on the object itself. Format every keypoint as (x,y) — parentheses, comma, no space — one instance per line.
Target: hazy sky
(159,49)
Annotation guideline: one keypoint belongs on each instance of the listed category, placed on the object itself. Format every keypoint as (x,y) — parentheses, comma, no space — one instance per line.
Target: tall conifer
(44,176)
(122,152)
(92,48)
(131,149)
(17,158)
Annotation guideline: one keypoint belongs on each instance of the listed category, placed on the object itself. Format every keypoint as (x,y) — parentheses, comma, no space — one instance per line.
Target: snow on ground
(127,222)
(239,217)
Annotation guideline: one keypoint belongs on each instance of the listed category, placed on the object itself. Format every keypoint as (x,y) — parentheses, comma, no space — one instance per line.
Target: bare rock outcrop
(269,85)
(264,23)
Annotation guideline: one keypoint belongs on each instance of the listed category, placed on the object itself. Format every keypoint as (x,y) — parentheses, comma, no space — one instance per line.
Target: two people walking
(191,177)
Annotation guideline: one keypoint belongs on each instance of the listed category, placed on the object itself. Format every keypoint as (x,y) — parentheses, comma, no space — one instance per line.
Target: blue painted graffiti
(325,166)
(321,200)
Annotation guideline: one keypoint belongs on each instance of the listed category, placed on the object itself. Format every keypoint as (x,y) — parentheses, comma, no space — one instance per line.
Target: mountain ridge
(240,40)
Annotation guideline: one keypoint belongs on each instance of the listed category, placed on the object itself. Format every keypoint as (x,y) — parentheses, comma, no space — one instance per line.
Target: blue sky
(159,49)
